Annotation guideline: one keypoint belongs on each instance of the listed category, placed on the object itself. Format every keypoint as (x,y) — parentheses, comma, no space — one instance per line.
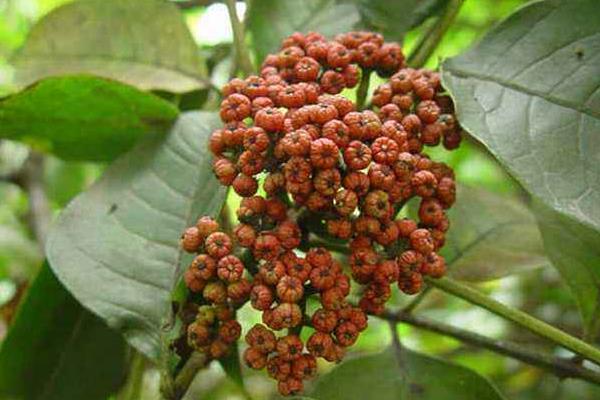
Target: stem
(410,307)
(225,219)
(329,246)
(432,37)
(560,366)
(242,55)
(363,89)
(184,379)
(543,329)
(133,387)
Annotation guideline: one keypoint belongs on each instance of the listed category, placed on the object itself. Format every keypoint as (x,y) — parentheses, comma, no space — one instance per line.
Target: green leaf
(83,117)
(491,236)
(116,246)
(64,180)
(232,366)
(394,19)
(269,21)
(144,43)
(529,93)
(56,349)
(419,377)
(575,251)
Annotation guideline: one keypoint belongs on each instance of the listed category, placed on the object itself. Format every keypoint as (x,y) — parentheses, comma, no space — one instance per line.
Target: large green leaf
(418,377)
(270,21)
(116,246)
(145,43)
(491,236)
(83,117)
(575,251)
(56,349)
(395,18)
(529,93)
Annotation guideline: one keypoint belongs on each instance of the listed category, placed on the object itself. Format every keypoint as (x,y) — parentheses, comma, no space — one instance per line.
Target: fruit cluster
(283,281)
(217,277)
(329,171)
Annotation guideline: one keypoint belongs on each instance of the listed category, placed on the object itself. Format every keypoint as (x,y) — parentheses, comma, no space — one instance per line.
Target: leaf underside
(530,92)
(116,246)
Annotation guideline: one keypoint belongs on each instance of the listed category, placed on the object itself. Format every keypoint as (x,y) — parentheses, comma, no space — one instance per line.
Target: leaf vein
(465,74)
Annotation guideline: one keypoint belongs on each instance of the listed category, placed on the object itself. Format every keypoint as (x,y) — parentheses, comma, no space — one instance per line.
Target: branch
(31,179)
(432,37)
(242,55)
(528,322)
(560,366)
(175,390)
(410,307)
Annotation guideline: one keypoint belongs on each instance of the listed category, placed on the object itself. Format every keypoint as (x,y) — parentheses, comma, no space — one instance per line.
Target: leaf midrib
(63,355)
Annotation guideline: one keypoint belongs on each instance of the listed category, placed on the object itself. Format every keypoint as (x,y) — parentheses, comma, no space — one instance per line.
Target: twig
(180,386)
(528,322)
(431,38)
(187,374)
(410,307)
(242,55)
(590,331)
(560,366)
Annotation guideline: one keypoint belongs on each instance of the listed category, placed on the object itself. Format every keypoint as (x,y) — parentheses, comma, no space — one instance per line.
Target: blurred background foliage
(539,292)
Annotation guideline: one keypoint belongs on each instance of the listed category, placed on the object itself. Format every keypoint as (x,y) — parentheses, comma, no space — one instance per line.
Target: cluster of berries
(285,358)
(330,170)
(307,68)
(216,276)
(282,283)
(415,99)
